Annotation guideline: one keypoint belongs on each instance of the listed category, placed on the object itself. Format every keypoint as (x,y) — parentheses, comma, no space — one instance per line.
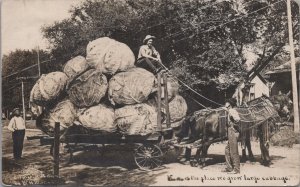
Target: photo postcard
(150,92)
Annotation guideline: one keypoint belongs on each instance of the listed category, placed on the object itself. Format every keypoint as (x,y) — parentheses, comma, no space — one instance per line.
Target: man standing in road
(231,150)
(148,57)
(17,127)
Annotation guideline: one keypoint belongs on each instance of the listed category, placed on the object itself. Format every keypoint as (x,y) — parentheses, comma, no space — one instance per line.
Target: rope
(199,103)
(187,86)
(197,92)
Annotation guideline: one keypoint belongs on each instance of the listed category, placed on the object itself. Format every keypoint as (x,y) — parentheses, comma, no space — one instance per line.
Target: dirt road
(116,167)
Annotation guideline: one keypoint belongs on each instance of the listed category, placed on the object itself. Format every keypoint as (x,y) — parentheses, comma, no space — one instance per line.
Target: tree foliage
(17,64)
(204,42)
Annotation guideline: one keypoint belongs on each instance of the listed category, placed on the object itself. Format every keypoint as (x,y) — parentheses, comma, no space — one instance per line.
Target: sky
(21,21)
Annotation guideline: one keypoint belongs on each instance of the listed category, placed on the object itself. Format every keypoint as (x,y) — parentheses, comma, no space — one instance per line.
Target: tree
(20,63)
(206,39)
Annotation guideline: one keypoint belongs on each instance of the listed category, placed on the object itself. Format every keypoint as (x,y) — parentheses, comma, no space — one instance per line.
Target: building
(280,77)
(257,87)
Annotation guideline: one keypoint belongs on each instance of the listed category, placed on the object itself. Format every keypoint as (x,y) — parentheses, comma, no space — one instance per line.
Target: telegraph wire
(215,27)
(29,67)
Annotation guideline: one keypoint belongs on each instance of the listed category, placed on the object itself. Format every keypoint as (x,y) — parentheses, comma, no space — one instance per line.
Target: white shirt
(233,116)
(146,50)
(16,123)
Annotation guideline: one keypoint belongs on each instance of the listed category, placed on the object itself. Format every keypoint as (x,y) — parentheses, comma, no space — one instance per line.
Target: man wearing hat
(17,127)
(148,57)
(231,150)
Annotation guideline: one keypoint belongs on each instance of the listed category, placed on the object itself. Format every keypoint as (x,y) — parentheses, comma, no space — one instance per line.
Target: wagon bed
(148,154)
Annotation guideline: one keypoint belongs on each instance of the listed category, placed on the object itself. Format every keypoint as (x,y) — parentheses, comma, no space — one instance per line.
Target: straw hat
(148,37)
(15,109)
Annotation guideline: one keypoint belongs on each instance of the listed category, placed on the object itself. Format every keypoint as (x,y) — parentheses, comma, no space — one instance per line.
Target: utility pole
(23,100)
(38,60)
(22,79)
(298,2)
(293,68)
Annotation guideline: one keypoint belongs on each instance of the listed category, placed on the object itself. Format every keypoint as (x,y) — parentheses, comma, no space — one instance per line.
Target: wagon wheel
(148,157)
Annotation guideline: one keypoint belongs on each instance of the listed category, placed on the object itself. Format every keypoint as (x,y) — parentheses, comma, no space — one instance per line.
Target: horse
(209,126)
(284,105)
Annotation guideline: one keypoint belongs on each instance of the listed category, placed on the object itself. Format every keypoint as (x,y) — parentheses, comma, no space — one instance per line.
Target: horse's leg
(201,159)
(244,156)
(204,155)
(248,145)
(243,146)
(196,160)
(266,155)
(264,150)
(188,153)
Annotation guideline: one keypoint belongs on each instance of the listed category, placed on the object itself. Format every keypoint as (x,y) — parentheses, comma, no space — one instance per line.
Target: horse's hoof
(266,163)
(193,163)
(252,159)
(203,164)
(183,159)
(185,162)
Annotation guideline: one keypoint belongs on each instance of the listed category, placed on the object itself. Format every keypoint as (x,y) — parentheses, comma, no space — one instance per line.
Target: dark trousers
(18,139)
(232,156)
(149,65)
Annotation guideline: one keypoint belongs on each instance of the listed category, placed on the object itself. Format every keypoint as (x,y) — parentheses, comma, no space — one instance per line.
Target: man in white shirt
(17,127)
(231,150)
(148,57)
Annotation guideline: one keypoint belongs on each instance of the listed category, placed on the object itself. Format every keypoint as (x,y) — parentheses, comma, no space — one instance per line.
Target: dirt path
(116,167)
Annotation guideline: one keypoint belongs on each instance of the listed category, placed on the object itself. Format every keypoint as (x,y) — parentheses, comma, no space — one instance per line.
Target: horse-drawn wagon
(149,147)
(210,127)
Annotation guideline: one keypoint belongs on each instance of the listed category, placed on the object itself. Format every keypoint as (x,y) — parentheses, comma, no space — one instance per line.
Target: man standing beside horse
(231,150)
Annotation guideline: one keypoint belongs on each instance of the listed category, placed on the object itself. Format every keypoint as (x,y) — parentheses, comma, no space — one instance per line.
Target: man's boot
(244,156)
(187,157)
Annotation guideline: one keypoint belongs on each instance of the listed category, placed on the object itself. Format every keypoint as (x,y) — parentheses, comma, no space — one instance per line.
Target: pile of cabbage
(103,92)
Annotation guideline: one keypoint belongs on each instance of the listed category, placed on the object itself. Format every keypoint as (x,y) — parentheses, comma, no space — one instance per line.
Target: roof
(261,78)
(286,67)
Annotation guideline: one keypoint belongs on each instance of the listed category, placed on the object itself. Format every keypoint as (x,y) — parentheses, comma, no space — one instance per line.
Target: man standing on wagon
(148,57)
(231,150)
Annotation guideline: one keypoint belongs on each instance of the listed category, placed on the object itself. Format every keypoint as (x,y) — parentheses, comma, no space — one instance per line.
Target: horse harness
(245,125)
(222,123)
